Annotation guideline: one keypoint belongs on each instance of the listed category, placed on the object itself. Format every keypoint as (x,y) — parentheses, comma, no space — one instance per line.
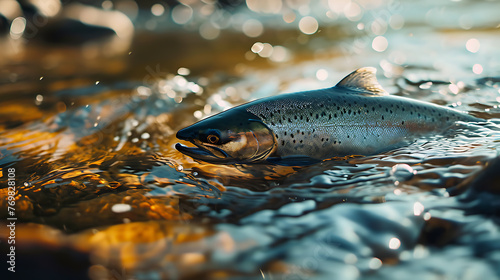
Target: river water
(89,116)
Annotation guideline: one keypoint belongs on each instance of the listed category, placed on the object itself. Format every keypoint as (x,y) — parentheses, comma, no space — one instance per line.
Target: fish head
(232,136)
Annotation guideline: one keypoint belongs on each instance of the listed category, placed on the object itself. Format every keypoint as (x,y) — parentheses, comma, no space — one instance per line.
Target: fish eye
(213,139)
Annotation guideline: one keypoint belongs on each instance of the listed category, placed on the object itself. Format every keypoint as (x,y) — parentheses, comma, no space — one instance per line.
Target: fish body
(355,117)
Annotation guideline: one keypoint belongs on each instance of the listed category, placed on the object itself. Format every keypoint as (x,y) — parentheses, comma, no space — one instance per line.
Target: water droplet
(472,45)
(157,9)
(402,172)
(427,216)
(380,43)
(181,14)
(477,69)
(453,88)
(418,208)
(308,25)
(17,27)
(121,208)
(267,50)
(321,74)
(257,47)
(394,243)
(209,31)
(252,28)
(107,5)
(183,71)
(280,54)
(375,263)
(198,114)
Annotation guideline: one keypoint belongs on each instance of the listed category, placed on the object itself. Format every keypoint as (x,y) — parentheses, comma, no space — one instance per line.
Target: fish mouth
(201,152)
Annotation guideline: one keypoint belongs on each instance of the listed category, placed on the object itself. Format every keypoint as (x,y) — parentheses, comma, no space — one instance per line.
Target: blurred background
(92,93)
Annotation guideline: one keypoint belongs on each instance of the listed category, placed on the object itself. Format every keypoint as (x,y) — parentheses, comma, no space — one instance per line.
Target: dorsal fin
(363,79)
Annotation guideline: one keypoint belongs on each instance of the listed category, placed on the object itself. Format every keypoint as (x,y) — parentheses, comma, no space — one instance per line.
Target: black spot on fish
(447,118)
(373,109)
(294,141)
(382,117)
(380,105)
(350,111)
(261,116)
(279,111)
(403,123)
(348,136)
(301,117)
(295,117)
(390,111)
(291,135)
(302,132)
(317,116)
(327,139)
(285,133)
(301,141)
(307,119)
(321,105)
(322,139)
(334,142)
(272,123)
(329,116)
(387,110)
(335,115)
(364,105)
(289,120)
(283,143)
(311,114)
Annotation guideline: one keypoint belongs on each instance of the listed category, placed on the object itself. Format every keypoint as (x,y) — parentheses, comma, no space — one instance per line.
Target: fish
(355,117)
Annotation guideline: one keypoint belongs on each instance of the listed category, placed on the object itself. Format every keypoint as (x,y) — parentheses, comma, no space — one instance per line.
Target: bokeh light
(181,14)
(477,68)
(157,9)
(380,43)
(252,28)
(308,25)
(472,45)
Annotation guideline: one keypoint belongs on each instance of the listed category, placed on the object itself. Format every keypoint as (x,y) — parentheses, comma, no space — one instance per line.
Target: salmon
(355,117)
